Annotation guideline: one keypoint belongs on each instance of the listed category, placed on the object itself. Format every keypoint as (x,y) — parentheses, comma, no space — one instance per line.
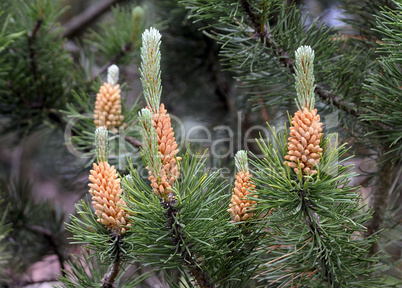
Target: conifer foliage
(284,227)
(291,216)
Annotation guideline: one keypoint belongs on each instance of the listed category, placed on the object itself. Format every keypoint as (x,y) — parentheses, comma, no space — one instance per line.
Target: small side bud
(112,74)
(138,21)
(129,179)
(101,142)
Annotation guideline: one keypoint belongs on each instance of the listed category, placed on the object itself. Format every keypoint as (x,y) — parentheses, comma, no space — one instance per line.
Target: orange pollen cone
(304,142)
(106,190)
(167,148)
(240,204)
(108,107)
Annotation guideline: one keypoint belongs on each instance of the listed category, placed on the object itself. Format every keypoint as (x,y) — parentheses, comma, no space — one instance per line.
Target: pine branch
(32,59)
(380,198)
(78,23)
(133,141)
(261,31)
(308,208)
(178,240)
(314,224)
(109,280)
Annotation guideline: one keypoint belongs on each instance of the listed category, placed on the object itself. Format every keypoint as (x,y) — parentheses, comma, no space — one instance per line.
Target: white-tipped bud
(112,74)
(304,77)
(241,161)
(150,68)
(101,142)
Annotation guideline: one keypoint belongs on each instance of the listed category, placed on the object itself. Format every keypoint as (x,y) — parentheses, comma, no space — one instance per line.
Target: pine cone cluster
(167,148)
(106,190)
(304,142)
(240,206)
(108,107)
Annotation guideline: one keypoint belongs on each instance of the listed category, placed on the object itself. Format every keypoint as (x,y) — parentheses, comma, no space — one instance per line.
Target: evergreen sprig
(119,40)
(93,235)
(88,270)
(38,225)
(317,221)
(181,232)
(258,40)
(42,74)
(385,82)
(114,41)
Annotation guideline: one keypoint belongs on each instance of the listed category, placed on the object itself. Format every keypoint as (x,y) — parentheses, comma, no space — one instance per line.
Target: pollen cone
(304,141)
(167,148)
(106,190)
(240,205)
(108,107)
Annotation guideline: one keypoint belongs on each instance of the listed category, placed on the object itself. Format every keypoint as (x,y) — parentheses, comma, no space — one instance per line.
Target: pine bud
(138,22)
(106,190)
(240,205)
(112,75)
(304,142)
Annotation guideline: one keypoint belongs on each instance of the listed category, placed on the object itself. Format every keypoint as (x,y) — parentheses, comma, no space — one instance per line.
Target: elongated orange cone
(108,107)
(240,205)
(108,102)
(304,142)
(106,190)
(167,148)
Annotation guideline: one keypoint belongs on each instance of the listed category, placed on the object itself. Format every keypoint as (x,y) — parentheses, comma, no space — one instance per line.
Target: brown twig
(380,198)
(79,22)
(133,141)
(314,223)
(312,218)
(178,239)
(109,279)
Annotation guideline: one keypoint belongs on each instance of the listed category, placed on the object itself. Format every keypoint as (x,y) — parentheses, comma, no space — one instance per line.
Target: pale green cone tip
(241,161)
(150,141)
(150,68)
(304,77)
